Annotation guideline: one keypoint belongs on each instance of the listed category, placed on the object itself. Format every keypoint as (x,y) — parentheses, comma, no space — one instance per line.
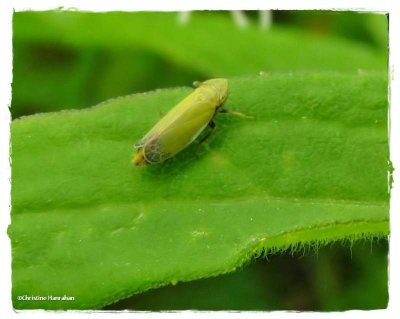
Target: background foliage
(68,60)
(73,60)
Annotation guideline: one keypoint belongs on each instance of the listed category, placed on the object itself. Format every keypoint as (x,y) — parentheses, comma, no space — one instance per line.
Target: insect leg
(207,136)
(222,110)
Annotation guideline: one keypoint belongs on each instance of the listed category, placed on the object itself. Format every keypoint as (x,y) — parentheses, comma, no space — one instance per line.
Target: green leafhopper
(183,123)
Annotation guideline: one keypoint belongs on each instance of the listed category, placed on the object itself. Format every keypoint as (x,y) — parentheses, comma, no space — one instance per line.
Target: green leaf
(310,168)
(76,59)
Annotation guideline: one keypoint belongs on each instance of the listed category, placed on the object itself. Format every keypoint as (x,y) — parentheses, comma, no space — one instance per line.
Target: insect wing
(179,134)
(168,120)
(162,124)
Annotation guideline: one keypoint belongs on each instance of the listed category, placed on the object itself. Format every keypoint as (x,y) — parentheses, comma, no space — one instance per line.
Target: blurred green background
(66,60)
(333,278)
(71,60)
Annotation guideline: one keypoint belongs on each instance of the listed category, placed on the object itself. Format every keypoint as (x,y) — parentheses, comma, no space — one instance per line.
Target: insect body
(183,124)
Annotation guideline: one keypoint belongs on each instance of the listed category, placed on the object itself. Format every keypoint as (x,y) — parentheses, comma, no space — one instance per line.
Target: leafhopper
(183,123)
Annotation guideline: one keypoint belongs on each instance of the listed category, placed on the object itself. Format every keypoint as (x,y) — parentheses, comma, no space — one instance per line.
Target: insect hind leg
(208,135)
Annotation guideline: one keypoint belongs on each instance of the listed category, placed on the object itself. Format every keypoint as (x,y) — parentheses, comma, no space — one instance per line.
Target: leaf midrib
(231,201)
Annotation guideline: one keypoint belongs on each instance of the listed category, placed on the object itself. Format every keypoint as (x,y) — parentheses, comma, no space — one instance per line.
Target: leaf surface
(310,168)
